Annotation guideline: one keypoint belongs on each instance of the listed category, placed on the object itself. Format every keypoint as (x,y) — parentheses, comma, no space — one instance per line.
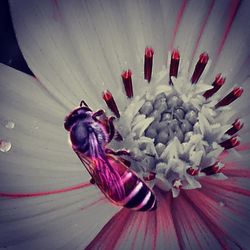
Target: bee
(89,134)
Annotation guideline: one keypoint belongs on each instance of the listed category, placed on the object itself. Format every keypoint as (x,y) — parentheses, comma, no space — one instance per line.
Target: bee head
(80,113)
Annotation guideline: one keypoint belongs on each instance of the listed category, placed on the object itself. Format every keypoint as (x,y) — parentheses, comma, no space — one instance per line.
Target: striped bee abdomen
(138,195)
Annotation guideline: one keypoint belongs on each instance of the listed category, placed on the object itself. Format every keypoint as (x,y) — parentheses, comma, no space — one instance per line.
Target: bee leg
(97,113)
(111,128)
(118,136)
(117,152)
(92,181)
(125,161)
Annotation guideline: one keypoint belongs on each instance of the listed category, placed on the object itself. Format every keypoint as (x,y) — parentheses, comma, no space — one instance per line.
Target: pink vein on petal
(226,186)
(180,211)
(100,200)
(243,173)
(63,190)
(203,25)
(198,200)
(232,13)
(178,21)
(111,232)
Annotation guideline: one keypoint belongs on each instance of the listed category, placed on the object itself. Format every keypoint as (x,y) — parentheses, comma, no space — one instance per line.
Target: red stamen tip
(191,171)
(232,96)
(217,84)
(204,58)
(199,68)
(149,52)
(107,96)
(236,126)
(150,176)
(219,80)
(126,74)
(175,54)
(235,141)
(174,64)
(127,82)
(238,91)
(148,63)
(109,99)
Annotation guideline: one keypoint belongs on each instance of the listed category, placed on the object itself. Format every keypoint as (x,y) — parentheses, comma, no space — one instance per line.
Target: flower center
(176,131)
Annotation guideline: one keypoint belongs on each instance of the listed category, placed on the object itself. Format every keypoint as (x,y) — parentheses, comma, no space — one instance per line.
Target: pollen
(176,128)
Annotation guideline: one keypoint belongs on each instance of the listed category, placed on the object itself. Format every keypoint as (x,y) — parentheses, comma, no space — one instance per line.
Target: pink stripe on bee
(153,204)
(126,177)
(133,193)
(144,202)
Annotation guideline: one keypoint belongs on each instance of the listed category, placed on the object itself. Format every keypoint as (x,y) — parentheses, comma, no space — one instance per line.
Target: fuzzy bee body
(120,184)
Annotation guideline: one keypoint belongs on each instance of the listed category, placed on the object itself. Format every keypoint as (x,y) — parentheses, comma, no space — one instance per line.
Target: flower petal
(66,220)
(192,231)
(40,158)
(224,207)
(136,230)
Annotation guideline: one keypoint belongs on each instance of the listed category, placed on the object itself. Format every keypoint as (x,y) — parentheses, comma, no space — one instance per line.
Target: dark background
(10,53)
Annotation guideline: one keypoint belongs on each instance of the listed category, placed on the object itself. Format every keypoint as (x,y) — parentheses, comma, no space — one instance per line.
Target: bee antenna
(83,103)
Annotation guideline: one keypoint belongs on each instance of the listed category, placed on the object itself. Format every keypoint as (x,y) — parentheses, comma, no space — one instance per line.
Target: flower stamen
(127,82)
(231,143)
(232,96)
(236,126)
(175,131)
(199,68)
(109,99)
(217,84)
(174,64)
(148,63)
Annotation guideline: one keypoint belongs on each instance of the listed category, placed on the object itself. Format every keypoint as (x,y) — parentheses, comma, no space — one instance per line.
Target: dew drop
(9,124)
(5,146)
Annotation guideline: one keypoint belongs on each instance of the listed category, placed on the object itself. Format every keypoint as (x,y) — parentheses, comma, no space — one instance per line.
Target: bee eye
(69,121)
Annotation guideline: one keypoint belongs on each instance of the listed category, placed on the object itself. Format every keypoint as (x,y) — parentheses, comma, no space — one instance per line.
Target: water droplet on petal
(5,146)
(9,124)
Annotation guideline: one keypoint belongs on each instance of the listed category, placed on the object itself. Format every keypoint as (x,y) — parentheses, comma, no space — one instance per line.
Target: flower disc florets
(177,130)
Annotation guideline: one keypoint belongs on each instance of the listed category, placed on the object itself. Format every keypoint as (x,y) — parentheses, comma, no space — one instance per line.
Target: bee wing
(87,163)
(106,177)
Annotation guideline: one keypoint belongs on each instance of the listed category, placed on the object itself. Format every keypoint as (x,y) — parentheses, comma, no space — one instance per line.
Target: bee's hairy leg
(117,152)
(97,113)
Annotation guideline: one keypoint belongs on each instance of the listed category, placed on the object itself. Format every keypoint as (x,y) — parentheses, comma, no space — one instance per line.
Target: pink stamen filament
(108,98)
(217,84)
(199,68)
(174,64)
(213,169)
(230,143)
(26,195)
(127,82)
(232,96)
(148,63)
(191,171)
